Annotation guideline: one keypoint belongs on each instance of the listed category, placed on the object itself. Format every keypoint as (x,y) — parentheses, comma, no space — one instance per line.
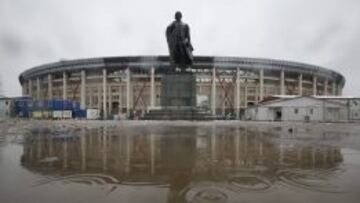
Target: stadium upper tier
(200,62)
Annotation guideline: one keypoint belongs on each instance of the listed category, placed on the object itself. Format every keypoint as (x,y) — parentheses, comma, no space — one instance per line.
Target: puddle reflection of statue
(178,39)
(178,152)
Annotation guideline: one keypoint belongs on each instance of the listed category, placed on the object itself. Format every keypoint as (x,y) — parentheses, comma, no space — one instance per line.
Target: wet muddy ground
(79,161)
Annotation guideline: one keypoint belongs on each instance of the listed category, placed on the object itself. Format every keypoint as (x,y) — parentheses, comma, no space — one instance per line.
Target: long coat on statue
(180,48)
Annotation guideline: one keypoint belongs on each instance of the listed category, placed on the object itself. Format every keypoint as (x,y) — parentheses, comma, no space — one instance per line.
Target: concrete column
(246,95)
(38,88)
(300,85)
(339,90)
(333,88)
(110,99)
(237,94)
(282,82)
(152,87)
(64,90)
(91,102)
(99,88)
(128,91)
(257,94)
(213,92)
(261,80)
(83,90)
(50,87)
(23,88)
(104,90)
(326,87)
(120,99)
(30,87)
(314,85)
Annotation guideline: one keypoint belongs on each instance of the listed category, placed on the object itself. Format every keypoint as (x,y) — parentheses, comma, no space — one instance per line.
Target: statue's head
(178,16)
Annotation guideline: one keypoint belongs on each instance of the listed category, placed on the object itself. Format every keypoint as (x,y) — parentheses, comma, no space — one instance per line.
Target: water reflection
(195,164)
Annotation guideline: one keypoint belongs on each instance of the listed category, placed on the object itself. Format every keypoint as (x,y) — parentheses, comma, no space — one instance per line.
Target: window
(296,110)
(311,111)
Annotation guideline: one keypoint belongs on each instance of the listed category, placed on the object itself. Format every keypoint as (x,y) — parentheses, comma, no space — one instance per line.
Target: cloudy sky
(320,32)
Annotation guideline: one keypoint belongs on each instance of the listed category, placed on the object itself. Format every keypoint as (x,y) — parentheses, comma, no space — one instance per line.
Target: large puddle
(187,163)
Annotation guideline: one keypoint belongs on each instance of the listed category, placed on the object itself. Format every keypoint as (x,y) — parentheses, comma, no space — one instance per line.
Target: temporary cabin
(298,109)
(352,103)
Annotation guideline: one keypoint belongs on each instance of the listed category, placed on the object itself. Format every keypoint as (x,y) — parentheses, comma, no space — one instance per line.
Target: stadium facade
(133,84)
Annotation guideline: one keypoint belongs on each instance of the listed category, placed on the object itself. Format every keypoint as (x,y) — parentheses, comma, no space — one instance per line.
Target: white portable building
(298,109)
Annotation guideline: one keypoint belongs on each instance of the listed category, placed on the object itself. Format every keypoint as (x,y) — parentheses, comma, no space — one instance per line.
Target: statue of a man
(178,39)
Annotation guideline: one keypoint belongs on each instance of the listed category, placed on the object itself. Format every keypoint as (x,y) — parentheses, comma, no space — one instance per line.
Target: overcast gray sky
(320,32)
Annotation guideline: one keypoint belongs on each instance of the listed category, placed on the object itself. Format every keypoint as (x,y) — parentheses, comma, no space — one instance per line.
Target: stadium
(120,85)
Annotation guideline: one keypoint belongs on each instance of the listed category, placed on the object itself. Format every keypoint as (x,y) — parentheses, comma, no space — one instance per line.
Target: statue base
(178,91)
(178,99)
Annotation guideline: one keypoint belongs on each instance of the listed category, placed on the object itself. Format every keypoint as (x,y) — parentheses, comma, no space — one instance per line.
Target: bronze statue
(178,39)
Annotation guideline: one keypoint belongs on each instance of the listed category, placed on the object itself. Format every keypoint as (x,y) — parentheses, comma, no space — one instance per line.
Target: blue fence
(24,107)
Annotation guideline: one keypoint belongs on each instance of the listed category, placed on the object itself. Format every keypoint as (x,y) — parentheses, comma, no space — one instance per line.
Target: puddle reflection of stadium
(191,161)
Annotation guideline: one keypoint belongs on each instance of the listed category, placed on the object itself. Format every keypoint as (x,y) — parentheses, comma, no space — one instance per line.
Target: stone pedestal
(178,99)
(178,91)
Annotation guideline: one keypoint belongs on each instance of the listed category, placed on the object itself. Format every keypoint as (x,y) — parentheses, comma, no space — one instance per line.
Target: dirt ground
(19,126)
